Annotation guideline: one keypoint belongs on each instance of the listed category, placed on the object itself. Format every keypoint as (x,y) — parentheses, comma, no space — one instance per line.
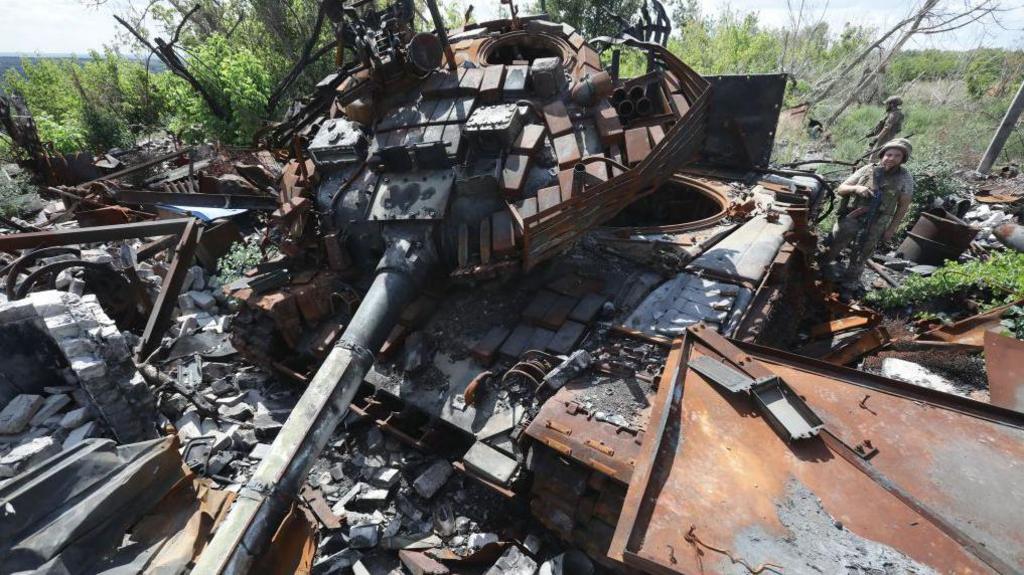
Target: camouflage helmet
(901,144)
(893,101)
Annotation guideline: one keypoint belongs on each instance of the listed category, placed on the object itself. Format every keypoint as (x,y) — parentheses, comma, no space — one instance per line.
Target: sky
(77,26)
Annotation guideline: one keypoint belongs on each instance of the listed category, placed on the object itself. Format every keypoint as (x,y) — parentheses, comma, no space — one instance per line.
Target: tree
(591,16)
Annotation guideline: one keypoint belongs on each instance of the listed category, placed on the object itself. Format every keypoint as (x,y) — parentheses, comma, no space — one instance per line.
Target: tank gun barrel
(264,501)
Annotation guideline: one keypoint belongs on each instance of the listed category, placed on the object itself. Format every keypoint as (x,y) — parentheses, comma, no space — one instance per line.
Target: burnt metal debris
(499,309)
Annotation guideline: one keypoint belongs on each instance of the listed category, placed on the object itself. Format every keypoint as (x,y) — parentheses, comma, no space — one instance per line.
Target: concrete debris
(513,562)
(485,253)
(363,536)
(81,433)
(568,369)
(491,464)
(27,454)
(432,479)
(916,374)
(16,416)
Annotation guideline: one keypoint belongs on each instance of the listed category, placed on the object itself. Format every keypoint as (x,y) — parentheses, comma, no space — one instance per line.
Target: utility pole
(1003,132)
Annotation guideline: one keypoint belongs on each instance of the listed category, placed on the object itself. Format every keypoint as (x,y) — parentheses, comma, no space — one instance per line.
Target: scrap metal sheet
(716,486)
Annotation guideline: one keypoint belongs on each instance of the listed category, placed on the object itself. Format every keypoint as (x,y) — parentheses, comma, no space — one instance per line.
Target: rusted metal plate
(932,495)
(565,183)
(502,234)
(513,174)
(490,87)
(608,125)
(1004,364)
(548,198)
(657,134)
(529,139)
(564,427)
(556,116)
(567,150)
(484,350)
(638,145)
(859,346)
(839,325)
(970,331)
(680,104)
(471,80)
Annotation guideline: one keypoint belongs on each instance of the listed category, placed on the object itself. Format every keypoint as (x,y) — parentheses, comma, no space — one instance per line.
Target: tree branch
(165,52)
(305,59)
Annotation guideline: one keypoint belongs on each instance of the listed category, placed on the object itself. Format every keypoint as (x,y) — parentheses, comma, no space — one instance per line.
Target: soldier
(874,200)
(888,127)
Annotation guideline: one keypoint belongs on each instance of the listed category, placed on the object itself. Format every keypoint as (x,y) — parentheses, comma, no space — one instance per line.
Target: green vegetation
(1013,322)
(998,280)
(16,193)
(97,103)
(242,256)
(241,51)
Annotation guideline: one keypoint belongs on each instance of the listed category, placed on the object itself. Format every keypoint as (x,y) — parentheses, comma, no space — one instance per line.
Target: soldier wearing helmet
(874,201)
(888,127)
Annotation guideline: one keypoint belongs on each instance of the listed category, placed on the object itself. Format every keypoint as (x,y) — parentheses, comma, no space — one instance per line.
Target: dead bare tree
(165,51)
(307,57)
(929,18)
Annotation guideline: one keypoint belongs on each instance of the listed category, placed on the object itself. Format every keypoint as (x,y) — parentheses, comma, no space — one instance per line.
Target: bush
(242,83)
(1000,280)
(95,104)
(16,193)
(242,256)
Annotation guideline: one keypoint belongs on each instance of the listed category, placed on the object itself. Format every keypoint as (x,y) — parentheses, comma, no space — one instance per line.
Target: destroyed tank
(434,165)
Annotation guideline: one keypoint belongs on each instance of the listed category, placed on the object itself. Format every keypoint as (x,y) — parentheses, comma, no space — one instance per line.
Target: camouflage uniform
(897,183)
(889,126)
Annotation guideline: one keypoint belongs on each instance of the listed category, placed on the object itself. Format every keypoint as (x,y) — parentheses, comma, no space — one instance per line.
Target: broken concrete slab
(916,374)
(385,477)
(363,536)
(77,417)
(16,416)
(260,451)
(81,433)
(430,481)
(491,464)
(513,562)
(28,454)
(51,406)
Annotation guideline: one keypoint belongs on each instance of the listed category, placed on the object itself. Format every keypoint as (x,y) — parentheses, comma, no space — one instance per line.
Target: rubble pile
(483,306)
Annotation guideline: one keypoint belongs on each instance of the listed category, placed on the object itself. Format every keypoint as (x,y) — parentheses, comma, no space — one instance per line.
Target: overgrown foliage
(242,82)
(92,104)
(242,256)
(997,281)
(16,193)
(591,16)
(1013,322)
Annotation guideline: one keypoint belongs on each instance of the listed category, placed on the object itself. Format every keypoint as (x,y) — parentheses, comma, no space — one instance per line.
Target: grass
(942,125)
(949,130)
